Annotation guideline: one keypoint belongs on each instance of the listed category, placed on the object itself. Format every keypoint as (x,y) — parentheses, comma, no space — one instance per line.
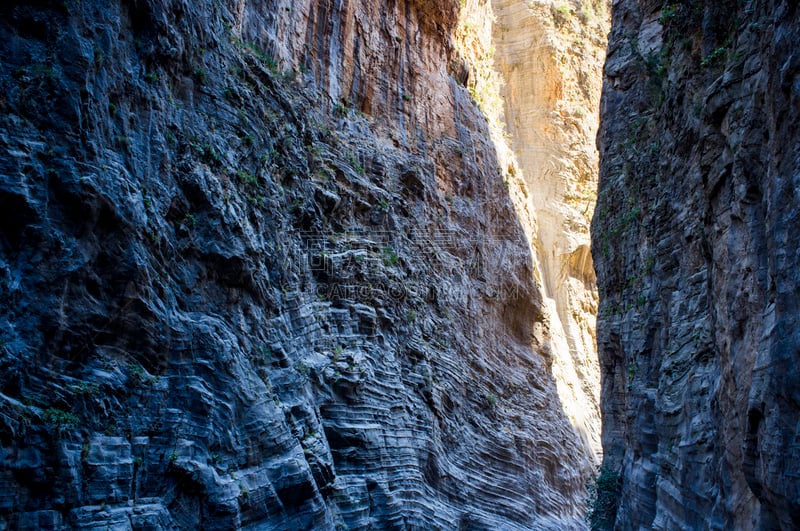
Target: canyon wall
(548,58)
(267,265)
(695,247)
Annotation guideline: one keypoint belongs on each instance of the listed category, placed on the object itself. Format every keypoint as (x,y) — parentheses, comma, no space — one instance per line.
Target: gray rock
(696,261)
(237,254)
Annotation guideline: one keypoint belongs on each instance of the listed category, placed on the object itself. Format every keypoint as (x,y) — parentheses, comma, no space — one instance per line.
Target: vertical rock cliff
(695,246)
(534,71)
(548,58)
(265,266)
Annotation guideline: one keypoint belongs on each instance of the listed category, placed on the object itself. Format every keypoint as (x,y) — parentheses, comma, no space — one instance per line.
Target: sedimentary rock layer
(695,245)
(260,270)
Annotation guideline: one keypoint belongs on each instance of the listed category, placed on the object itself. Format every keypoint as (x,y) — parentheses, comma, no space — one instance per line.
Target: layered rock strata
(695,248)
(261,270)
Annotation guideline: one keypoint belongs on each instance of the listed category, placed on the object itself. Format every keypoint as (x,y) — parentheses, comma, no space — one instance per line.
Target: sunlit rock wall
(549,56)
(535,72)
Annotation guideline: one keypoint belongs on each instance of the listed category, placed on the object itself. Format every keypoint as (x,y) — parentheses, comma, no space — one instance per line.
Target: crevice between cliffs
(537,75)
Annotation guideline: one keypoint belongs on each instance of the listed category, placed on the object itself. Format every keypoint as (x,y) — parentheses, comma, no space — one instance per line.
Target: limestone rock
(261,271)
(696,257)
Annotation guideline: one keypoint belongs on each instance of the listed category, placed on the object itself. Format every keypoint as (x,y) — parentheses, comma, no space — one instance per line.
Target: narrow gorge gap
(537,75)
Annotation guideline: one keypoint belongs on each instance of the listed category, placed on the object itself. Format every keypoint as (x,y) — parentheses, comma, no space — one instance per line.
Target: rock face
(548,57)
(261,271)
(695,246)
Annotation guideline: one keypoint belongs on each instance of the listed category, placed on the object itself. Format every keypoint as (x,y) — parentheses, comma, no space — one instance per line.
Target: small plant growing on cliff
(715,57)
(59,419)
(603,499)
(302,368)
(247,178)
(669,12)
(289,75)
(83,388)
(267,59)
(353,159)
(339,110)
(491,398)
(586,12)
(140,376)
(266,355)
(200,75)
(561,14)
(390,257)
(632,370)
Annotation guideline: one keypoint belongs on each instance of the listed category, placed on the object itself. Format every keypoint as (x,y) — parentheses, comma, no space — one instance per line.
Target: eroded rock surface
(260,270)
(549,56)
(695,245)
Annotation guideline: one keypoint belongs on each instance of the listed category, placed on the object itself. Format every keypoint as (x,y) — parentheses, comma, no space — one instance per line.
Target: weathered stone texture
(696,251)
(260,271)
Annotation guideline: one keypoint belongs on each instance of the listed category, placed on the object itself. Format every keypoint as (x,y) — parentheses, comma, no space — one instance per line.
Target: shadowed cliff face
(261,270)
(695,245)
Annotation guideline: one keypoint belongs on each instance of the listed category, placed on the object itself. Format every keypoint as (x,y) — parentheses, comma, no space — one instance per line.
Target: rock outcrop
(695,246)
(261,271)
